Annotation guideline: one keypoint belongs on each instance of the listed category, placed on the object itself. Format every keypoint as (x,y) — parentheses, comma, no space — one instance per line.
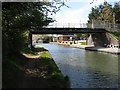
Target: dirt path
(35,74)
(30,56)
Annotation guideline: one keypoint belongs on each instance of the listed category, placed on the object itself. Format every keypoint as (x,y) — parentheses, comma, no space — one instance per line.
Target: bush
(116,35)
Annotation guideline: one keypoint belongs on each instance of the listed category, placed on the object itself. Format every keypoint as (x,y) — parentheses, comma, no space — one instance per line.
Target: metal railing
(106,25)
(67,25)
(95,24)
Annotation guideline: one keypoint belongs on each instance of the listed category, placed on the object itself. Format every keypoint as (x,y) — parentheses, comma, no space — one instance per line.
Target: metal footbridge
(72,28)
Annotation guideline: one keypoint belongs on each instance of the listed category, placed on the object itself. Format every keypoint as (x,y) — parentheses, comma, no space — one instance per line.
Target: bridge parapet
(69,25)
(95,24)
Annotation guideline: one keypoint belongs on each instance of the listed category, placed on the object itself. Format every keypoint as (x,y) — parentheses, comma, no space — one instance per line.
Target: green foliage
(46,39)
(14,67)
(105,12)
(56,79)
(11,70)
(18,18)
(27,50)
(94,14)
(81,35)
(83,43)
(40,47)
(46,55)
(116,35)
(116,10)
(21,17)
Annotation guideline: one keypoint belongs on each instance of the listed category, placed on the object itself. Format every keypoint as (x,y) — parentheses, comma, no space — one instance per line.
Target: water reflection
(86,69)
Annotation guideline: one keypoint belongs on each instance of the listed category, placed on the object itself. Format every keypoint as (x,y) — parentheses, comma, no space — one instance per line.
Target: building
(59,37)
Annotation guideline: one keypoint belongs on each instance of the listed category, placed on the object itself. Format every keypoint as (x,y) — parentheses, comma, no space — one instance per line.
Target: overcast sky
(78,11)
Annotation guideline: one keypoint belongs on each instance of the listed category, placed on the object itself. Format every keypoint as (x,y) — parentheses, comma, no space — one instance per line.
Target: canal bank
(92,48)
(42,72)
(33,68)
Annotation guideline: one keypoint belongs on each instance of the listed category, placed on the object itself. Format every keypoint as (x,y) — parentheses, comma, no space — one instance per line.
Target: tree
(106,13)
(81,35)
(93,14)
(21,17)
(116,10)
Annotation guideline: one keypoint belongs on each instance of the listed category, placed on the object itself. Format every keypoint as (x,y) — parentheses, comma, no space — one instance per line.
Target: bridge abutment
(103,40)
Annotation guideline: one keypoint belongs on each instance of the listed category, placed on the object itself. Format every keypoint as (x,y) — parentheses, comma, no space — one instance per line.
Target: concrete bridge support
(103,40)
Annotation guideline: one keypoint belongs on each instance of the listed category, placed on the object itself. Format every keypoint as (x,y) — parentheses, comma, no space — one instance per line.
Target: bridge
(99,28)
(61,28)
(68,30)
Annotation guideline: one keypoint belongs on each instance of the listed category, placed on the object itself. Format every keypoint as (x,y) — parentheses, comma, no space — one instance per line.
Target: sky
(78,11)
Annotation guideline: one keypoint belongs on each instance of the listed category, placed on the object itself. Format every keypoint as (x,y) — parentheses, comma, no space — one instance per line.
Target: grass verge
(27,50)
(55,77)
(83,43)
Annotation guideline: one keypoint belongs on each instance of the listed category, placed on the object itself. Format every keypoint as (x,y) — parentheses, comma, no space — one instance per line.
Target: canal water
(86,69)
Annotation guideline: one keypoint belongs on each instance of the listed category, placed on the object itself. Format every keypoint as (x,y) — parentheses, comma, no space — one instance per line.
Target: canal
(86,69)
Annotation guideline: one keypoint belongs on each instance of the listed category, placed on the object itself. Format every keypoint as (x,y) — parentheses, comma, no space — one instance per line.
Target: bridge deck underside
(68,30)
